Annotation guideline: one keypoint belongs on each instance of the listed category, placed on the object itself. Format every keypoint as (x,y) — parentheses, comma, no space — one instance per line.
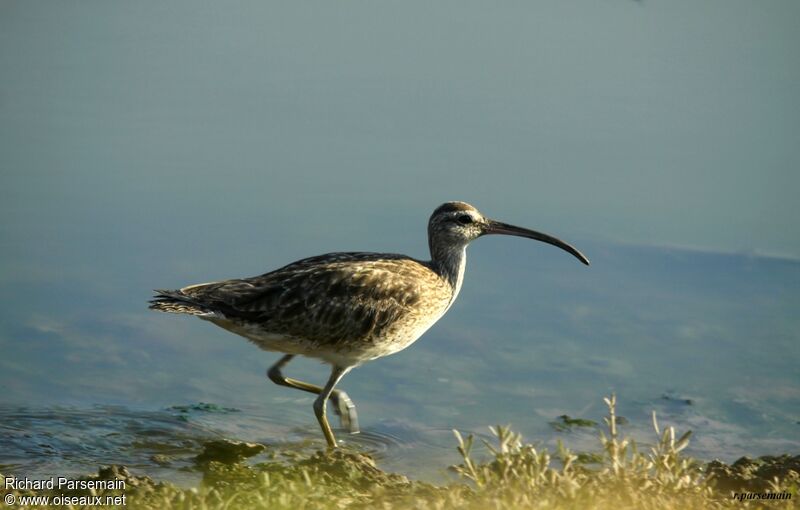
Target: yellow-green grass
(516,476)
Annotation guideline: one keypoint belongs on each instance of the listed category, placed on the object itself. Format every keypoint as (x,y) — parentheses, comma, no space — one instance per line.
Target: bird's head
(454,224)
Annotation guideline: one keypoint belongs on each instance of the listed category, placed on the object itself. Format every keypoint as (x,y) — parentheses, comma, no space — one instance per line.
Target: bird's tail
(175,301)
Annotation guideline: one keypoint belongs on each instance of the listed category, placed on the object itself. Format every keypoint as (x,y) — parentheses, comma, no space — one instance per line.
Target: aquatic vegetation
(183,411)
(566,422)
(226,451)
(520,476)
(619,475)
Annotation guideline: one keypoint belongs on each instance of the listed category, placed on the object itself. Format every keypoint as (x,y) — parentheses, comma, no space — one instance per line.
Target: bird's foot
(344,407)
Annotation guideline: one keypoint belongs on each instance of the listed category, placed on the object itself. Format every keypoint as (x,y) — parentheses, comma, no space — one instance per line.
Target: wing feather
(331,298)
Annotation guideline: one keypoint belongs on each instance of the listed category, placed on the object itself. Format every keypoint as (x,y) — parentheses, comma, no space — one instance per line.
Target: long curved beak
(497,227)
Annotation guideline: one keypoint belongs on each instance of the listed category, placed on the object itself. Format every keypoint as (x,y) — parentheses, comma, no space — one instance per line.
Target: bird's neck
(450,263)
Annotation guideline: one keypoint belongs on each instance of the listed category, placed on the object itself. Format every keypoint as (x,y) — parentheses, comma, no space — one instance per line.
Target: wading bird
(346,308)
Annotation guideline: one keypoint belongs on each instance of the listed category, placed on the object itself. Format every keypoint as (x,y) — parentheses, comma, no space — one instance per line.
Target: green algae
(619,474)
(227,451)
(566,422)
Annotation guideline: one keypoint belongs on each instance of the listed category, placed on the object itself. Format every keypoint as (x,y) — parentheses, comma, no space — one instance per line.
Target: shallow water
(707,340)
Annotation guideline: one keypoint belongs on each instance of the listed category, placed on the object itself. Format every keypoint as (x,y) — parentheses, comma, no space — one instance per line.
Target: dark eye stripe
(464,219)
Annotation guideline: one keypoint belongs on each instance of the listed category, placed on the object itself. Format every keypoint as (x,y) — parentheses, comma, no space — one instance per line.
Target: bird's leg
(322,400)
(343,406)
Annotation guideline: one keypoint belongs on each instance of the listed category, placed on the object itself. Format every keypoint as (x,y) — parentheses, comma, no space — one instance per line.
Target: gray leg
(322,400)
(342,405)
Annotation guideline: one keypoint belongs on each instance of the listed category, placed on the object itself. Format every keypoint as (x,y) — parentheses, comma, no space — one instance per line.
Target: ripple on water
(63,441)
(416,450)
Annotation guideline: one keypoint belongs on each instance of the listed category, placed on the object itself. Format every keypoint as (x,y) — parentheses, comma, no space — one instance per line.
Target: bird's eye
(464,219)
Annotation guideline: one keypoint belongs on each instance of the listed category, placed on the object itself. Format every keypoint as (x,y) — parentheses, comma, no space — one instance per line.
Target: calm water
(149,145)
(94,379)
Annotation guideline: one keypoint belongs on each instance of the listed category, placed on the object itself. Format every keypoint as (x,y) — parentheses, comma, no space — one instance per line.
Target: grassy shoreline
(517,475)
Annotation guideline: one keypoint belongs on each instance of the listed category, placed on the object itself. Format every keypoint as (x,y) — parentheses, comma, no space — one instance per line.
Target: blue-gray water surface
(707,340)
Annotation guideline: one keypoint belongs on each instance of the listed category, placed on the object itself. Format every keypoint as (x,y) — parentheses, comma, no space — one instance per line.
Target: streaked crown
(454,224)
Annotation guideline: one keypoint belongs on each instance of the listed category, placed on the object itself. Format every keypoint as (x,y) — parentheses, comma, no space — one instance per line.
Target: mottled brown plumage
(346,308)
(340,307)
